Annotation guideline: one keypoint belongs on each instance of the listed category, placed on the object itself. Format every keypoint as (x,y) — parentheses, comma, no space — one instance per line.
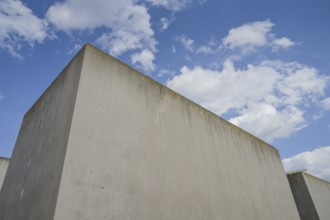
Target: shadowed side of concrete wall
(4,162)
(320,192)
(30,189)
(302,196)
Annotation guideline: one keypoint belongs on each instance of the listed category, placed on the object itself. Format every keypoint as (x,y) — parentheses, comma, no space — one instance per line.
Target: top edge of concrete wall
(304,173)
(315,177)
(296,171)
(88,47)
(4,158)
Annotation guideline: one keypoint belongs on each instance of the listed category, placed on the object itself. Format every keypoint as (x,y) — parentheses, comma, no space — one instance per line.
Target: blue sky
(263,65)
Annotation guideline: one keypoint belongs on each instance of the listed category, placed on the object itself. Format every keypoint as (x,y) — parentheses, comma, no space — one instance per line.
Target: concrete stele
(107,142)
(3,169)
(311,194)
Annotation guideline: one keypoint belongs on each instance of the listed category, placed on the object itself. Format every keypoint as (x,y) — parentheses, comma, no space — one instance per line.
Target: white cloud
(244,39)
(189,45)
(166,22)
(165,72)
(18,25)
(79,15)
(127,24)
(301,82)
(268,99)
(75,49)
(250,36)
(317,162)
(186,42)
(268,122)
(205,49)
(175,5)
(145,59)
(326,103)
(173,49)
(283,42)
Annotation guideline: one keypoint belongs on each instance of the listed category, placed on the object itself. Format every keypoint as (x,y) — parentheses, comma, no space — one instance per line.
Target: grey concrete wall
(311,194)
(302,197)
(137,150)
(4,162)
(320,192)
(30,189)
(106,142)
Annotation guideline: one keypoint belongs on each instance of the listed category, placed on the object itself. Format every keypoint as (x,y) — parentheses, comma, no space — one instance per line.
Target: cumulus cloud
(18,25)
(268,99)
(145,59)
(248,35)
(268,122)
(253,35)
(127,24)
(74,14)
(317,162)
(244,39)
(175,5)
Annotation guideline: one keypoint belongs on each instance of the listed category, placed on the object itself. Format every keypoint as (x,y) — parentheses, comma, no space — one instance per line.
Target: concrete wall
(30,189)
(312,196)
(3,169)
(302,197)
(137,150)
(320,192)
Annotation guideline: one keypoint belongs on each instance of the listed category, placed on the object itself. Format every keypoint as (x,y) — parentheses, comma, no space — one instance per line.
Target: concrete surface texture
(3,169)
(107,142)
(31,185)
(311,194)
